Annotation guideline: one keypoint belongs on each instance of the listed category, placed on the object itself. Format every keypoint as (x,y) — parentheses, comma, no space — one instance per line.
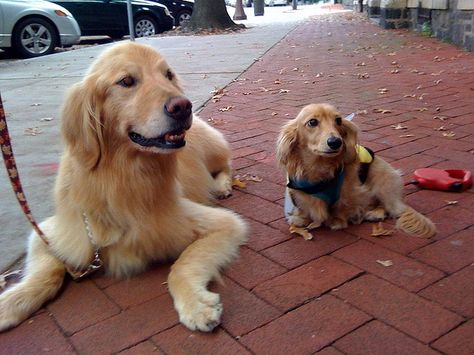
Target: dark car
(109,17)
(180,9)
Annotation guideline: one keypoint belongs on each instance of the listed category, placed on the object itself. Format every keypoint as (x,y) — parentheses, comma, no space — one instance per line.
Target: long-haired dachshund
(333,181)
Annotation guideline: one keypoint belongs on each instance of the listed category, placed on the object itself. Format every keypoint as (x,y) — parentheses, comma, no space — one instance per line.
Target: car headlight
(63,13)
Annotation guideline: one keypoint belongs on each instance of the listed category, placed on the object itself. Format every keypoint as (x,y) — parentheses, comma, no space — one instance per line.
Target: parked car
(181,10)
(35,27)
(109,17)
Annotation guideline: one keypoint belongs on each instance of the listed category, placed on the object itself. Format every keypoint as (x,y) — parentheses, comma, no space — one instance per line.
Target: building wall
(454,24)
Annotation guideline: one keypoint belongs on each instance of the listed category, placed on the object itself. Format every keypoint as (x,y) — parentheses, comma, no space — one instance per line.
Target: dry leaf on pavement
(284,91)
(422,109)
(225,109)
(32,131)
(378,230)
(379,110)
(450,203)
(301,231)
(406,135)
(399,126)
(236,182)
(385,263)
(449,134)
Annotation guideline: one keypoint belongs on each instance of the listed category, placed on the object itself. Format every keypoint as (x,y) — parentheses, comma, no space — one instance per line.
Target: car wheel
(183,16)
(145,26)
(34,37)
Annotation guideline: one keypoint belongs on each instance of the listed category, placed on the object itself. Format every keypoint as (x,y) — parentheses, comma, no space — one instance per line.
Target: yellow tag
(364,155)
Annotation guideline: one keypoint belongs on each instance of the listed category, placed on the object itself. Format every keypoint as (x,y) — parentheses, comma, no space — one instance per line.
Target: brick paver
(328,295)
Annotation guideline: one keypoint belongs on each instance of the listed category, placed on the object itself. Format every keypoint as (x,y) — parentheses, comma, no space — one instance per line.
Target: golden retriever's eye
(312,122)
(169,75)
(127,82)
(338,120)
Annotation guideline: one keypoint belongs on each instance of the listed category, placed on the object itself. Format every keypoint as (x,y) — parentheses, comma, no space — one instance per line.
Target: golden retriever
(328,184)
(136,174)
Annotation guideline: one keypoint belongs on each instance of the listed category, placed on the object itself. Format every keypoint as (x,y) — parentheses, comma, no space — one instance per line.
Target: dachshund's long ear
(81,125)
(350,134)
(287,144)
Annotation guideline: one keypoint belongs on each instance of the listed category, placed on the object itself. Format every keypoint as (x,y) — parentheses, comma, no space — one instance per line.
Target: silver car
(35,27)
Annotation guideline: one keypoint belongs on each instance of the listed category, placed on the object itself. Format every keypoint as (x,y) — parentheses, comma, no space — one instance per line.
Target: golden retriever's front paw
(202,313)
(223,186)
(8,316)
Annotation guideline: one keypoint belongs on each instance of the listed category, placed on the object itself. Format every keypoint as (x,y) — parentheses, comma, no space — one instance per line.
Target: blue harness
(327,190)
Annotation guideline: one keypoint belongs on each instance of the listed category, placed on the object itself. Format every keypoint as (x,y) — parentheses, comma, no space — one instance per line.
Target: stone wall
(449,20)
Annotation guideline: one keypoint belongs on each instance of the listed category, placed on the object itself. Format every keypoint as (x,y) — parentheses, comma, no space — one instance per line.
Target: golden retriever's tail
(414,223)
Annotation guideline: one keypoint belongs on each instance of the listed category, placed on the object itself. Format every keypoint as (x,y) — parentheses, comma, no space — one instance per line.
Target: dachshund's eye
(339,120)
(312,122)
(127,81)
(169,75)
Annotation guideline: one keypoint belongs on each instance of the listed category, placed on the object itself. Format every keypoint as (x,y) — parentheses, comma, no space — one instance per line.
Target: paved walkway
(288,296)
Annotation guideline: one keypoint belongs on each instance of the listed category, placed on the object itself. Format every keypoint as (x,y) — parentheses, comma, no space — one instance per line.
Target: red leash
(10,164)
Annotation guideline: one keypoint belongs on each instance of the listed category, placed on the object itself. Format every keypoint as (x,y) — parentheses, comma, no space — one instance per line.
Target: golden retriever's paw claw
(203,314)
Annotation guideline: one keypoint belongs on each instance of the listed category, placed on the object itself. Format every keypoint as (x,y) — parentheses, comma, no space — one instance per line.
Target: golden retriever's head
(131,100)
(318,130)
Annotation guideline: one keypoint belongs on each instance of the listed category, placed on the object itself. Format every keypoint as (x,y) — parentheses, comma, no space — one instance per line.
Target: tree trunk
(210,14)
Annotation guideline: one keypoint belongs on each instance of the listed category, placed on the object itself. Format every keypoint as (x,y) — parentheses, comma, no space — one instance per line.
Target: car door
(97,17)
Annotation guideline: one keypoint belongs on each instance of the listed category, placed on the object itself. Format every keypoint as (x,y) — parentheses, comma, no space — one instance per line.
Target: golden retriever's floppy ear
(286,145)
(81,125)
(350,134)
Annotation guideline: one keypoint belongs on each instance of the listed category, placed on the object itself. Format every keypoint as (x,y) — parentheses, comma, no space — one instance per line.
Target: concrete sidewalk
(285,295)
(33,90)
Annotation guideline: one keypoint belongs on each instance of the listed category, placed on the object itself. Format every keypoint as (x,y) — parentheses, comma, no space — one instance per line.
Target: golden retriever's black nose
(178,107)
(334,142)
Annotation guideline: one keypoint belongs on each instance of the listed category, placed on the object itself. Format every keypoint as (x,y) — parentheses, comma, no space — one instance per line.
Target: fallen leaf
(225,109)
(257,81)
(33,131)
(236,182)
(452,203)
(277,81)
(379,110)
(406,135)
(249,177)
(392,54)
(385,263)
(394,71)
(246,93)
(383,91)
(284,91)
(422,96)
(301,231)
(274,113)
(394,62)
(407,95)
(419,87)
(360,64)
(437,109)
(441,128)
(422,109)
(363,75)
(438,81)
(449,134)
(362,112)
(399,126)
(441,118)
(378,230)
(46,119)
(263,89)
(36,104)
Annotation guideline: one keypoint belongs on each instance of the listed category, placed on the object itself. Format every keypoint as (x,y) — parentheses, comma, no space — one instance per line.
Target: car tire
(183,16)
(34,37)
(145,26)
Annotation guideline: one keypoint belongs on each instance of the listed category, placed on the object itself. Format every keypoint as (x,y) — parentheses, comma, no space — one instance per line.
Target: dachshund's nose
(178,107)
(334,142)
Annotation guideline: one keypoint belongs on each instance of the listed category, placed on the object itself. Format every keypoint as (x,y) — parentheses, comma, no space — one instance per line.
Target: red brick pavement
(329,295)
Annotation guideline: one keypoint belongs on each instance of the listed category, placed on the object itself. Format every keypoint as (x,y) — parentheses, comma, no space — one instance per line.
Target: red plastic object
(447,180)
